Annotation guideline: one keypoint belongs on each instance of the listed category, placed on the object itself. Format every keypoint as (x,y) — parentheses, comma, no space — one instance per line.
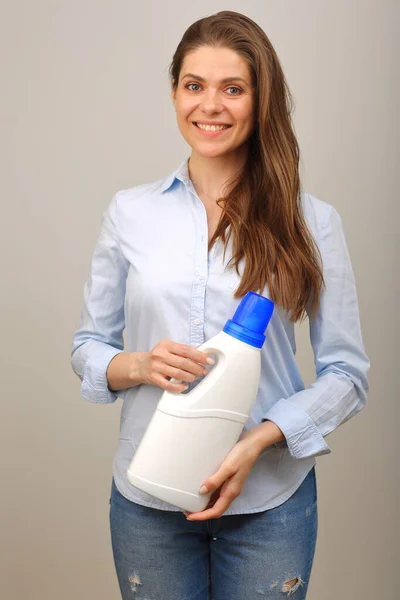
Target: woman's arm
(99,337)
(341,387)
(98,357)
(124,370)
(166,360)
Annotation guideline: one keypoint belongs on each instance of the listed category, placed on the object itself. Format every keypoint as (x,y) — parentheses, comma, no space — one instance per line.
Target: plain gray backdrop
(85,112)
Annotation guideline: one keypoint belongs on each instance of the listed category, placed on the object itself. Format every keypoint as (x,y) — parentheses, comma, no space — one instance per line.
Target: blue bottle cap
(251,319)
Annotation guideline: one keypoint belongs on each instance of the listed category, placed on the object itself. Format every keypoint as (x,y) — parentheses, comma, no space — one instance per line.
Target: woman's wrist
(263,435)
(124,370)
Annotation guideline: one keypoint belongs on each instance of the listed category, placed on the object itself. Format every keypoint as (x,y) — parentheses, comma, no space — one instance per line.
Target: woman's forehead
(215,64)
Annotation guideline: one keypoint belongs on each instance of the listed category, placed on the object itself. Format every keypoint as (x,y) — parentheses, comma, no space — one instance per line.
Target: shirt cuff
(94,383)
(303,439)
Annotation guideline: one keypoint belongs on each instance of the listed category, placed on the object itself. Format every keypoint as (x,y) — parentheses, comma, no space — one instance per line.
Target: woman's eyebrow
(225,80)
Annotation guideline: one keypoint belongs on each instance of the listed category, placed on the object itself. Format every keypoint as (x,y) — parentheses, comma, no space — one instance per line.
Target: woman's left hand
(227,483)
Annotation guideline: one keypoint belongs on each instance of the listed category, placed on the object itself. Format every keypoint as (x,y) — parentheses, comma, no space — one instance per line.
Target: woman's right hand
(171,360)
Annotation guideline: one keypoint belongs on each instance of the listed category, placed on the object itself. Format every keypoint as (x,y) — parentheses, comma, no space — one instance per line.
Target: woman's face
(214,101)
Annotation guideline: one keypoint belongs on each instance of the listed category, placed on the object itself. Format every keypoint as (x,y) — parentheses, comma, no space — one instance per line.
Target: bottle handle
(217,352)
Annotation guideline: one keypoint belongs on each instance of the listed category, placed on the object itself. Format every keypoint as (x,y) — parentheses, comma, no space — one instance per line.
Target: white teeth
(211,127)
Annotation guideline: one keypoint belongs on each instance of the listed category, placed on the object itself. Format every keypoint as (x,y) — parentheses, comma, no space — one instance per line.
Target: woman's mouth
(211,130)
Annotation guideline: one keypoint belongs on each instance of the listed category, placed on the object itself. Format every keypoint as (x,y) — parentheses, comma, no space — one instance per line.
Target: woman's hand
(228,481)
(169,359)
(230,478)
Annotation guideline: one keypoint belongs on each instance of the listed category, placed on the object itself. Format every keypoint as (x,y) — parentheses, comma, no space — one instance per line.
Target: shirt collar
(182,173)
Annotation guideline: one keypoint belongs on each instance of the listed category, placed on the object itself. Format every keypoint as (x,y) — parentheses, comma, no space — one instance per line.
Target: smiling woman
(171,264)
(214,102)
(225,72)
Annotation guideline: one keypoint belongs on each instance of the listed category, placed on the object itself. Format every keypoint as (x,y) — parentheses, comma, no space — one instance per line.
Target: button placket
(197,304)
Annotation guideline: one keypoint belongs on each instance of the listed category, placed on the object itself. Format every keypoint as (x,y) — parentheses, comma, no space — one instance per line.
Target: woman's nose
(211,102)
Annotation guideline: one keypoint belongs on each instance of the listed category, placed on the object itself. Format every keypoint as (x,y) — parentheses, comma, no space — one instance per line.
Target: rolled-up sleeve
(341,387)
(100,334)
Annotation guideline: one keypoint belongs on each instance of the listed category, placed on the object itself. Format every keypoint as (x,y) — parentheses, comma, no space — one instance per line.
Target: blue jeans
(159,555)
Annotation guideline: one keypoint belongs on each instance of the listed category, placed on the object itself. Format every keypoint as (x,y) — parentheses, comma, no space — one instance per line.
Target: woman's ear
(173,97)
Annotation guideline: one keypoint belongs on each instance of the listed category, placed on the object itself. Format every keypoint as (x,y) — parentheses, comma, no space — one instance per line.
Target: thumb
(214,482)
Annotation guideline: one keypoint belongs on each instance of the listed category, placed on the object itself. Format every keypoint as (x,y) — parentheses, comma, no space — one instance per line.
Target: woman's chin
(216,152)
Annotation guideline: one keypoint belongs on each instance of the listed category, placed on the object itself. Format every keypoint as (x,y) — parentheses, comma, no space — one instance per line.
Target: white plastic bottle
(190,434)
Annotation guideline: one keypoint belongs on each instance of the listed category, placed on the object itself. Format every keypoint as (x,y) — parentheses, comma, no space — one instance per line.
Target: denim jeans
(159,555)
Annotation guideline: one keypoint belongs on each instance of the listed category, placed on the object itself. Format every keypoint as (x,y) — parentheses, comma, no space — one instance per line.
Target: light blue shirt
(151,275)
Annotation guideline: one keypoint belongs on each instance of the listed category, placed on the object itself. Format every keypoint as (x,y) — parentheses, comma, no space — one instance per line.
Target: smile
(211,131)
(211,127)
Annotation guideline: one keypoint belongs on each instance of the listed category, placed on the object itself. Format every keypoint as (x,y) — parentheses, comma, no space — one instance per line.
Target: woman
(171,264)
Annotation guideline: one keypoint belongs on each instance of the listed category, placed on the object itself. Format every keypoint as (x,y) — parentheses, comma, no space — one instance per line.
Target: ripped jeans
(159,555)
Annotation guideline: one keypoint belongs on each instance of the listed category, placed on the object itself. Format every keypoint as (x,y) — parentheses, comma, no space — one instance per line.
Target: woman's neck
(210,175)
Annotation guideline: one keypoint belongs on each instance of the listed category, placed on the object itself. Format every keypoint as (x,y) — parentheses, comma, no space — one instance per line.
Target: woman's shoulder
(152,190)
(141,191)
(316,212)
(144,200)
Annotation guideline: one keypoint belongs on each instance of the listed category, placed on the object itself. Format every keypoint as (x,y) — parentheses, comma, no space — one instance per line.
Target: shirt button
(201,277)
(197,321)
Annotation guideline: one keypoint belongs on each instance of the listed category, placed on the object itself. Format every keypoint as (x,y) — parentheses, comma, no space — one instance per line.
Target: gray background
(86,112)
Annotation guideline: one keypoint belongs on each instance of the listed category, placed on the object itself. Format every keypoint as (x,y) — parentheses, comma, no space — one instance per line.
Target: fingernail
(203,489)
(210,360)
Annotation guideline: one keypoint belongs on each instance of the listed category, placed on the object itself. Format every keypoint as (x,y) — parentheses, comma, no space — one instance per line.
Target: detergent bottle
(189,435)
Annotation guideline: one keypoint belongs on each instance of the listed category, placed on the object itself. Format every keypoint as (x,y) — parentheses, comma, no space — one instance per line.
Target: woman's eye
(193,87)
(234,91)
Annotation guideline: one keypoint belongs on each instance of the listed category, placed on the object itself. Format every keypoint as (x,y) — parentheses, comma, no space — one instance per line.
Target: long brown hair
(262,209)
